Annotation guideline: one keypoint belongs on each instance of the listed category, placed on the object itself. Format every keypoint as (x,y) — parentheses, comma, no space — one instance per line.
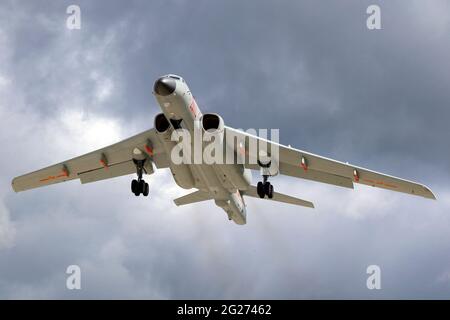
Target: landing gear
(139,186)
(264,188)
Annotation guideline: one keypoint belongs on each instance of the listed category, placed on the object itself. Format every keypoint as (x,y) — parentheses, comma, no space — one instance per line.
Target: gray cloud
(377,99)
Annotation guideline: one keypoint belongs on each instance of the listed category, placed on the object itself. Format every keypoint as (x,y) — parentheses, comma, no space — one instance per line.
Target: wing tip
(428,193)
(431,196)
(14,185)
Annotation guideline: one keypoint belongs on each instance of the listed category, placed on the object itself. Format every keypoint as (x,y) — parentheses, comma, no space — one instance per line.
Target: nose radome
(165,86)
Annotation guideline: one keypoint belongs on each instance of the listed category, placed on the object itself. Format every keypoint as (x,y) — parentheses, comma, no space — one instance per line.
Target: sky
(376,98)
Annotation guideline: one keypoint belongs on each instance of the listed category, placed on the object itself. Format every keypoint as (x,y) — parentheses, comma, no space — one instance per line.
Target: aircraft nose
(164,86)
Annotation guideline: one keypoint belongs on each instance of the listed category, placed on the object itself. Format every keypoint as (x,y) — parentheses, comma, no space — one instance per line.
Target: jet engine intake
(162,125)
(212,123)
(212,126)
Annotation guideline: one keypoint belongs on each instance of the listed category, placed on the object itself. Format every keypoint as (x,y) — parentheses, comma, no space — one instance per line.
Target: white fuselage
(222,181)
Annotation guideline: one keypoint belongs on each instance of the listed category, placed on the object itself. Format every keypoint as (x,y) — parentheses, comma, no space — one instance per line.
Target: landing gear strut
(139,186)
(265,188)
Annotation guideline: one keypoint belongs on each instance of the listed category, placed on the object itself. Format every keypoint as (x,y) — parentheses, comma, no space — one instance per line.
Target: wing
(109,162)
(302,164)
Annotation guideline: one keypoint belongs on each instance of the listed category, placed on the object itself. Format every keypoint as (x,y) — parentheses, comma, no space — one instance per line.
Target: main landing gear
(264,188)
(139,186)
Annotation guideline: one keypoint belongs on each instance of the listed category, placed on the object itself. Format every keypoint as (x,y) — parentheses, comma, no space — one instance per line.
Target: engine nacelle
(161,124)
(212,124)
(213,129)
(181,173)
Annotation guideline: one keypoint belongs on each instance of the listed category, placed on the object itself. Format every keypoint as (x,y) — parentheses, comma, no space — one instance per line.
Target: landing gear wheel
(270,193)
(267,188)
(146,189)
(141,186)
(134,185)
(260,189)
(264,188)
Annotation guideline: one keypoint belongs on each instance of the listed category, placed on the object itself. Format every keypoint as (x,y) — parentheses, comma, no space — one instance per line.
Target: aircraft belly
(210,181)
(235,207)
(181,172)
(233,176)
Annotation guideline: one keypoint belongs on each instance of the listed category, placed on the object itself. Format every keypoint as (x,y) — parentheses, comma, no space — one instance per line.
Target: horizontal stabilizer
(193,197)
(251,192)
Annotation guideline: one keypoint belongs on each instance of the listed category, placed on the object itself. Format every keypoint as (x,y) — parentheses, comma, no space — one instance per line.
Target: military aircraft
(225,183)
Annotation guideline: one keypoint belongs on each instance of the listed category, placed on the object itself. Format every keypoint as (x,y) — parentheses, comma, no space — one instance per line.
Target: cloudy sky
(379,99)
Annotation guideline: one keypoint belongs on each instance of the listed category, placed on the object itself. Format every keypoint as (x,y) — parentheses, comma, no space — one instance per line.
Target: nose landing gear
(139,186)
(264,188)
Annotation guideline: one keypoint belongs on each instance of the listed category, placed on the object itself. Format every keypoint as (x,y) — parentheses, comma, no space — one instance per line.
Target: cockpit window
(174,76)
